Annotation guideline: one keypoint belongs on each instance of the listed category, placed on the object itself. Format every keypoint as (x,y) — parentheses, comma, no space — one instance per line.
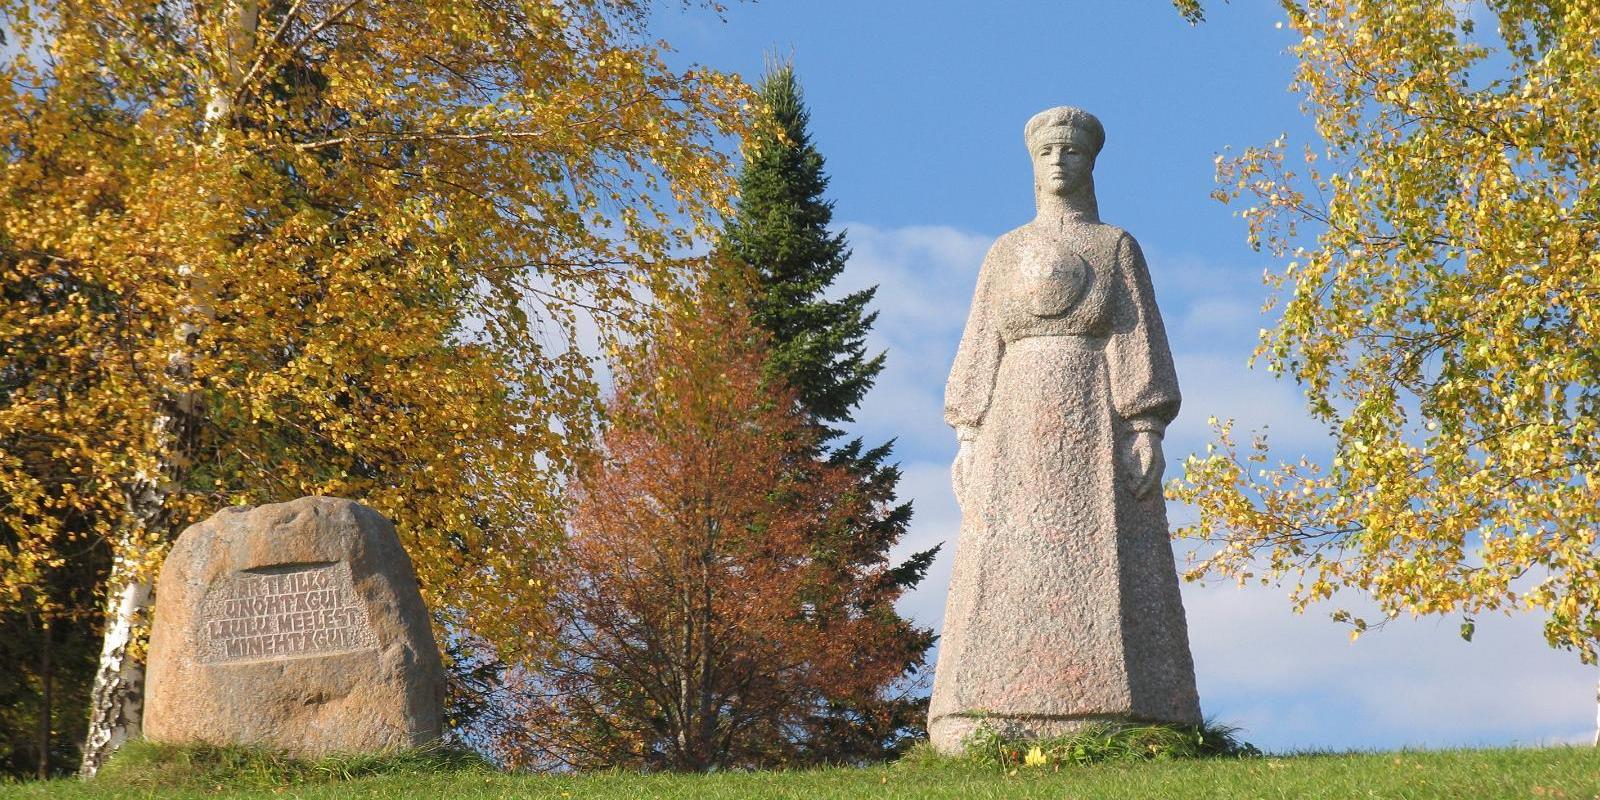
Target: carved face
(1063,165)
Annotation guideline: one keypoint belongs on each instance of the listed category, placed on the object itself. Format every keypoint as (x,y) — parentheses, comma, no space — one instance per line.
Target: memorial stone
(1064,606)
(296,626)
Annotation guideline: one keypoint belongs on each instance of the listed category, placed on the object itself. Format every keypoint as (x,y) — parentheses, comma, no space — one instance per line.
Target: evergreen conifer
(780,230)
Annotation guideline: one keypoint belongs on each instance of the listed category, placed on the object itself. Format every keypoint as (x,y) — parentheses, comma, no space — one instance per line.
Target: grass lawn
(1543,773)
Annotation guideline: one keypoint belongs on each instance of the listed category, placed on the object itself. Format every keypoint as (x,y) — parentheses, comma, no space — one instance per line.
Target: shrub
(1107,741)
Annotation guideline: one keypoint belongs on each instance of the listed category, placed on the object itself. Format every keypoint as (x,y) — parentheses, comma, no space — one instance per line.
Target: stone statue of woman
(1064,605)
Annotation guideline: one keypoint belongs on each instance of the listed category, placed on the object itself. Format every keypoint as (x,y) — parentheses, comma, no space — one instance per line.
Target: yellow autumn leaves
(1440,310)
(377,265)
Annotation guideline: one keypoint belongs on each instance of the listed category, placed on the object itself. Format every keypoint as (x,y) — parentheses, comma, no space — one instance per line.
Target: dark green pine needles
(819,347)
(781,231)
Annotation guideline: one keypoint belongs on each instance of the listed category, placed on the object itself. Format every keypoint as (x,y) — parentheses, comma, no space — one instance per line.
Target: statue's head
(1063,142)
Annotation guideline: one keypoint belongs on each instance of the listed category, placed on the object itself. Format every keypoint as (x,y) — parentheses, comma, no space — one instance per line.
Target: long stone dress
(1064,604)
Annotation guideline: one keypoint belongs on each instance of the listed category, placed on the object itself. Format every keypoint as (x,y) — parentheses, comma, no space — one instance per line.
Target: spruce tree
(780,230)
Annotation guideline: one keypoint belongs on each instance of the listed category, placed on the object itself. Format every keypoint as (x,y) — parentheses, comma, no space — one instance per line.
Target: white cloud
(1221,386)
(925,276)
(937,520)
(1297,681)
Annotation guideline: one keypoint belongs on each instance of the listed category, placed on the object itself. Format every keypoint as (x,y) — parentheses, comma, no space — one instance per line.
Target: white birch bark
(117,700)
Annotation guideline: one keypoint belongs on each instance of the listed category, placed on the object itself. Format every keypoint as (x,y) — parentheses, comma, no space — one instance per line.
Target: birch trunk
(47,680)
(117,700)
(118,696)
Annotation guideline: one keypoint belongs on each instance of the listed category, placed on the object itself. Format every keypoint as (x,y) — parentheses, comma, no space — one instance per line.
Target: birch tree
(331,247)
(1438,298)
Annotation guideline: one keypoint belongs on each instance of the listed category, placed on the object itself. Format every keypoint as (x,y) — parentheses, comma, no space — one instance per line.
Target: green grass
(143,765)
(145,771)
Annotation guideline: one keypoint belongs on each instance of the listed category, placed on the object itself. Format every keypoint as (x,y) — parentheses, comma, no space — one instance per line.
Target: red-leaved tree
(696,629)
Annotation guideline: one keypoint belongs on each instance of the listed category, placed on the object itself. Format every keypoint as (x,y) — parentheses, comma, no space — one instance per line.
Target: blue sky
(918,108)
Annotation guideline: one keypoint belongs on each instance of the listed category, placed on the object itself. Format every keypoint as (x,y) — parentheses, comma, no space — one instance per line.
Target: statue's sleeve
(1144,385)
(967,394)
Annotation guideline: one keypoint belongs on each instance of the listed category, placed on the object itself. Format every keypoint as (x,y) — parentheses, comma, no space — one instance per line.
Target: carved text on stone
(297,612)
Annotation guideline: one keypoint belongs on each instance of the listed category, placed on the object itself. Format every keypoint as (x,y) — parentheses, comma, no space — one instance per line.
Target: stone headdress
(1056,124)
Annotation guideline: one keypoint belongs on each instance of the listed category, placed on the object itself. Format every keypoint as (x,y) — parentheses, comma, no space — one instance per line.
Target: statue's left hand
(1143,462)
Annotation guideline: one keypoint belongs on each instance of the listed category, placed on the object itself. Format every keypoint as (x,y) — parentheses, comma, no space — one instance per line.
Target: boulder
(296,626)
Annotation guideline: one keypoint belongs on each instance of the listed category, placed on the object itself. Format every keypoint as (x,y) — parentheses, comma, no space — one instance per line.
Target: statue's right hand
(965,436)
(958,471)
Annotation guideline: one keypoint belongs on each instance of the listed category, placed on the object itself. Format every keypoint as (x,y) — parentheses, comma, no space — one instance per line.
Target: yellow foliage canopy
(1441,307)
(372,231)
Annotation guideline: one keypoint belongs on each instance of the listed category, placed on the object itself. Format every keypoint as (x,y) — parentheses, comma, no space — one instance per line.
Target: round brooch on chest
(1053,279)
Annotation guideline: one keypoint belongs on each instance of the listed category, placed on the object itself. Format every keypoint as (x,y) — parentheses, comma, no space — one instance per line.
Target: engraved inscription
(282,614)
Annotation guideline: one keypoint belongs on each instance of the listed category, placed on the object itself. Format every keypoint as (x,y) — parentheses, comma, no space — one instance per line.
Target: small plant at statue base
(1106,741)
